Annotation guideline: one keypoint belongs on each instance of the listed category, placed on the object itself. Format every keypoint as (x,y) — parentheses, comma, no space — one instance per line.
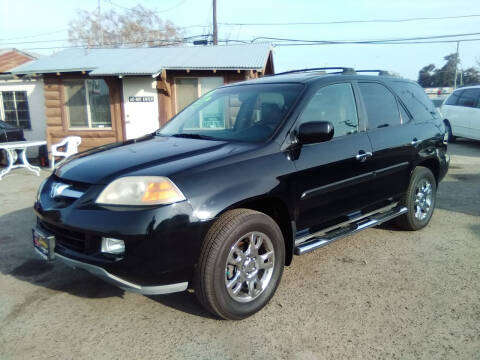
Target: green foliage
(430,76)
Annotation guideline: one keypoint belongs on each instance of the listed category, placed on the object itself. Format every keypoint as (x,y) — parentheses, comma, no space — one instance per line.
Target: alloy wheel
(249,266)
(423,199)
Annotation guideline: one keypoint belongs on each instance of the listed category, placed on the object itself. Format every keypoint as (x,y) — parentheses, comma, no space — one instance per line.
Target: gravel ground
(380,294)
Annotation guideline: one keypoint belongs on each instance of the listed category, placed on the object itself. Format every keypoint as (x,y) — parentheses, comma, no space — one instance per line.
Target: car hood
(153,155)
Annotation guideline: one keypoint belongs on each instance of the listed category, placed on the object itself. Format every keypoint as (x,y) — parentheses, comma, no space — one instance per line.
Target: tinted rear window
(414,97)
(382,108)
(469,98)
(453,99)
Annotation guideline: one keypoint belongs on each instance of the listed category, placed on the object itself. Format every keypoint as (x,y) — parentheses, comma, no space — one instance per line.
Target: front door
(332,180)
(141,106)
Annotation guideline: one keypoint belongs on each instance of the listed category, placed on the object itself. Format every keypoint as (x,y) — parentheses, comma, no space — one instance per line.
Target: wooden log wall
(57,119)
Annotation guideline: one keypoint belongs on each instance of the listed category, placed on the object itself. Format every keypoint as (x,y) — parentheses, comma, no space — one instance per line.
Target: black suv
(221,197)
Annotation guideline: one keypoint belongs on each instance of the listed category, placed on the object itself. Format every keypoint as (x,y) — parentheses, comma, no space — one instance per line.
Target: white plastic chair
(71,144)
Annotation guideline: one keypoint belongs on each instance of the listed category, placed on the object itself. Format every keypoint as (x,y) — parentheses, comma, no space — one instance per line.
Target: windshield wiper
(193,136)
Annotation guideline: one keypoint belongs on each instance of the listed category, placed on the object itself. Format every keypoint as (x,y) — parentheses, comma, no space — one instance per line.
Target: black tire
(448,127)
(410,220)
(212,271)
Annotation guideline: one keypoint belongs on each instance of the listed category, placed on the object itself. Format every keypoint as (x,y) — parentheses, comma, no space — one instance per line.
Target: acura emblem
(57,189)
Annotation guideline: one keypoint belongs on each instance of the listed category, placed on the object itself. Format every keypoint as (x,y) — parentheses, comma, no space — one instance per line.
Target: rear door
(475,120)
(469,108)
(392,139)
(331,181)
(456,113)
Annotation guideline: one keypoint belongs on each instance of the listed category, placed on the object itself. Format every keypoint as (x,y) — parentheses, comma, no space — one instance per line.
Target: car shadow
(19,260)
(183,301)
(460,193)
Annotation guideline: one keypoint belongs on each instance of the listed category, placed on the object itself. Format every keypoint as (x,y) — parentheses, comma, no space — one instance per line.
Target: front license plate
(44,243)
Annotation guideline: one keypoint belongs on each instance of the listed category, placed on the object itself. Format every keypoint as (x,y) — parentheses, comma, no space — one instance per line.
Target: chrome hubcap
(423,199)
(249,266)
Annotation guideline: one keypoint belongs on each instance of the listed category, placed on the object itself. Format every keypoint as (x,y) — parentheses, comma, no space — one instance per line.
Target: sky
(33,24)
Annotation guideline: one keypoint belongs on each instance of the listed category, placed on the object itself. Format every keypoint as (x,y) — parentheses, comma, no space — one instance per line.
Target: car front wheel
(448,128)
(241,264)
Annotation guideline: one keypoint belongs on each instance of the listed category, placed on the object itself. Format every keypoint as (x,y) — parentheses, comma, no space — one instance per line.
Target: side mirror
(315,132)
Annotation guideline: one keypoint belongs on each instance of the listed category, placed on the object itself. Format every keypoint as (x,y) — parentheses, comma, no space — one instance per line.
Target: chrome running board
(326,236)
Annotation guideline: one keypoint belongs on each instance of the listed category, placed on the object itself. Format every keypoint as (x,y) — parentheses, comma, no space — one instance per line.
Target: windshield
(238,113)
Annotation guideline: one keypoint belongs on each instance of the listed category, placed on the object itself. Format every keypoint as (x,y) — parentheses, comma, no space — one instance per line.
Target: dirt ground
(381,294)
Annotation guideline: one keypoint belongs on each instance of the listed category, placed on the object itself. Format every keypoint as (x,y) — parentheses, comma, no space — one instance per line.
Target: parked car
(296,161)
(461,111)
(9,133)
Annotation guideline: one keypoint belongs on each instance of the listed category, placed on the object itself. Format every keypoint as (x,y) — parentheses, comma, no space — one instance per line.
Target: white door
(461,111)
(475,117)
(141,106)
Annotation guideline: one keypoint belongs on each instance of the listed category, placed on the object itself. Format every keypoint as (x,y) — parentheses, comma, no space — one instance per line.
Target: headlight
(140,190)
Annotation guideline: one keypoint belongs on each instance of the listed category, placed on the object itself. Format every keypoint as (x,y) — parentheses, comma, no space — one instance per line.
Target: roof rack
(380,72)
(345,70)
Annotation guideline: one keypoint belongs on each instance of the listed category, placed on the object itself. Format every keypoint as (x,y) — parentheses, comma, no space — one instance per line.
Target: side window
(453,98)
(334,103)
(382,107)
(468,98)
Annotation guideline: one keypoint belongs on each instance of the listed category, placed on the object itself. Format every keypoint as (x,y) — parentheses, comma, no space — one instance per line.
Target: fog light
(113,246)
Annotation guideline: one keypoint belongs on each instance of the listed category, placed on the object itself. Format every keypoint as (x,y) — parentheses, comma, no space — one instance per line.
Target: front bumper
(122,283)
(162,244)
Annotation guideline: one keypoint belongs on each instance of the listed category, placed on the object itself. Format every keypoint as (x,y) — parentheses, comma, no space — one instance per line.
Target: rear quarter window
(469,98)
(417,102)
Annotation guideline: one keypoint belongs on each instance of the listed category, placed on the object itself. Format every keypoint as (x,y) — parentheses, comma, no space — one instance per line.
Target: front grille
(73,240)
(65,192)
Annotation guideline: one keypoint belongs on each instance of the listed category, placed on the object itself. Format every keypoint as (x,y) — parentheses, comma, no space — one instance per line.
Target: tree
(135,27)
(429,76)
(471,76)
(445,76)
(425,76)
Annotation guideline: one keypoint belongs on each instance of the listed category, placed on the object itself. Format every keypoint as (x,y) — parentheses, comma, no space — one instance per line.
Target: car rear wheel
(419,199)
(241,264)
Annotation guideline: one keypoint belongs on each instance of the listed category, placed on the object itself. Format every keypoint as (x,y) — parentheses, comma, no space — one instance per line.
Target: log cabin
(111,95)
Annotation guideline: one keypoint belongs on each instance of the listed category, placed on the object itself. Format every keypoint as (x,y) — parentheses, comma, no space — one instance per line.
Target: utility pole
(215,28)
(456,67)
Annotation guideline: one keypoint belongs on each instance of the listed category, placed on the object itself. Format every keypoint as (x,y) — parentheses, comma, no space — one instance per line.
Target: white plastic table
(11,147)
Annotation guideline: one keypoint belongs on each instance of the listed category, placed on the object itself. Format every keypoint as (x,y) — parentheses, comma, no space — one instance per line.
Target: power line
(364,41)
(352,21)
(167,43)
(185,40)
(58,40)
(374,43)
(326,42)
(290,42)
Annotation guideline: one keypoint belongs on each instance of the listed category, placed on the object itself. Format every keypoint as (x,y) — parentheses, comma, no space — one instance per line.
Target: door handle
(415,141)
(363,155)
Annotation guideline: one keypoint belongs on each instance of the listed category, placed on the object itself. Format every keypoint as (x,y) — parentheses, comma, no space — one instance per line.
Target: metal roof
(150,61)
(12,58)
